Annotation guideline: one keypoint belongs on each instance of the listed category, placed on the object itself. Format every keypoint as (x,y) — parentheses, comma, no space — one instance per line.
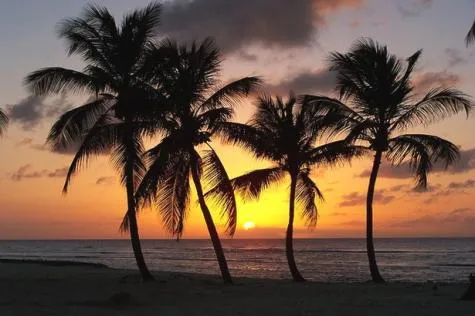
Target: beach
(42,288)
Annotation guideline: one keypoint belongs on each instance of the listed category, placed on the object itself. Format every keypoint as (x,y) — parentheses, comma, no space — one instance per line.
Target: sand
(36,288)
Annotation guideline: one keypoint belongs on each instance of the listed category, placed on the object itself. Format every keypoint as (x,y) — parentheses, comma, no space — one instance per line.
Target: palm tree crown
(118,63)
(383,103)
(197,107)
(285,132)
(378,88)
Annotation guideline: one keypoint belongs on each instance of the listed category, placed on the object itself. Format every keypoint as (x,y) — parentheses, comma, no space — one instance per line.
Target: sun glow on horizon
(249,225)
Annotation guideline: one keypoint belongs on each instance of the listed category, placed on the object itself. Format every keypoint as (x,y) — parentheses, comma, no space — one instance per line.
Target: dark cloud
(428,80)
(462,185)
(306,82)
(464,164)
(105,180)
(461,218)
(30,143)
(248,56)
(235,24)
(356,198)
(461,211)
(353,223)
(338,214)
(31,111)
(27,172)
(455,57)
(413,8)
(28,112)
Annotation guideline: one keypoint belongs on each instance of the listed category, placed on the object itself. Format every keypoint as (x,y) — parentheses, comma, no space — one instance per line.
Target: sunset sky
(286,42)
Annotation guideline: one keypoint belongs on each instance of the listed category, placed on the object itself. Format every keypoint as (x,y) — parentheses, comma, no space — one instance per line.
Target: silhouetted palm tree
(3,122)
(114,121)
(286,133)
(190,83)
(378,88)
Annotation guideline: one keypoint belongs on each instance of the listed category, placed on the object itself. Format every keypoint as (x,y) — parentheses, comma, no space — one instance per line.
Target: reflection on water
(420,260)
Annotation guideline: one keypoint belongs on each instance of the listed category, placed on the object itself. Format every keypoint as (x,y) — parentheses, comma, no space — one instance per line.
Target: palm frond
(231,93)
(159,160)
(306,193)
(436,105)
(173,196)
(217,177)
(57,80)
(335,153)
(3,122)
(71,127)
(212,119)
(251,185)
(470,37)
(244,135)
(99,139)
(421,151)
(127,155)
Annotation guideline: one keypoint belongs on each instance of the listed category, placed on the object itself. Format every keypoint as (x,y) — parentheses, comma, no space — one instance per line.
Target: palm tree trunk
(373,266)
(133,227)
(218,249)
(289,239)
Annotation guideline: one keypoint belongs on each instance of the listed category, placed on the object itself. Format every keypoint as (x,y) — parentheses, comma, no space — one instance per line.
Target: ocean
(328,260)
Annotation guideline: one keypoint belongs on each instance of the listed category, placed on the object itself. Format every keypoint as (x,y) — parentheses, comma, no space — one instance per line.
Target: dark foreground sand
(61,289)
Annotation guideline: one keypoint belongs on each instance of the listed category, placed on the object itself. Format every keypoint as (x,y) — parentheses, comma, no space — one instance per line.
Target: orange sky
(31,178)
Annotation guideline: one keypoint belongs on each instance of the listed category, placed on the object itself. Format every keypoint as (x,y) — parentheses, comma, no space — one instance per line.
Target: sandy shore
(63,289)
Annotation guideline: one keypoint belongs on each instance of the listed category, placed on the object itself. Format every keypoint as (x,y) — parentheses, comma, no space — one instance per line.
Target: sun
(249,225)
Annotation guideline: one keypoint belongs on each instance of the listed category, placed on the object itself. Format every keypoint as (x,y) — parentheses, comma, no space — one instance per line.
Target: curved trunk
(133,227)
(218,249)
(373,266)
(289,247)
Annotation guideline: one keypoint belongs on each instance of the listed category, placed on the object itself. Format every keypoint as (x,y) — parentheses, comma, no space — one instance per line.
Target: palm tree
(198,107)
(383,103)
(285,132)
(117,64)
(3,122)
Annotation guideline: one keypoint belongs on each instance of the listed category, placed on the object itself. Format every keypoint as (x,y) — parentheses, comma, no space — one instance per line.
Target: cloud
(461,211)
(236,24)
(338,214)
(459,218)
(353,223)
(462,185)
(356,198)
(105,180)
(32,110)
(305,82)
(464,164)
(428,80)
(31,144)
(26,172)
(455,57)
(414,8)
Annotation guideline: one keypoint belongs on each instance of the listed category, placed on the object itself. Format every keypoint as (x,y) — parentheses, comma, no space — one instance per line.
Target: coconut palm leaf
(470,37)
(436,105)
(3,122)
(231,93)
(306,194)
(422,151)
(100,139)
(216,176)
(173,196)
(58,80)
(70,127)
